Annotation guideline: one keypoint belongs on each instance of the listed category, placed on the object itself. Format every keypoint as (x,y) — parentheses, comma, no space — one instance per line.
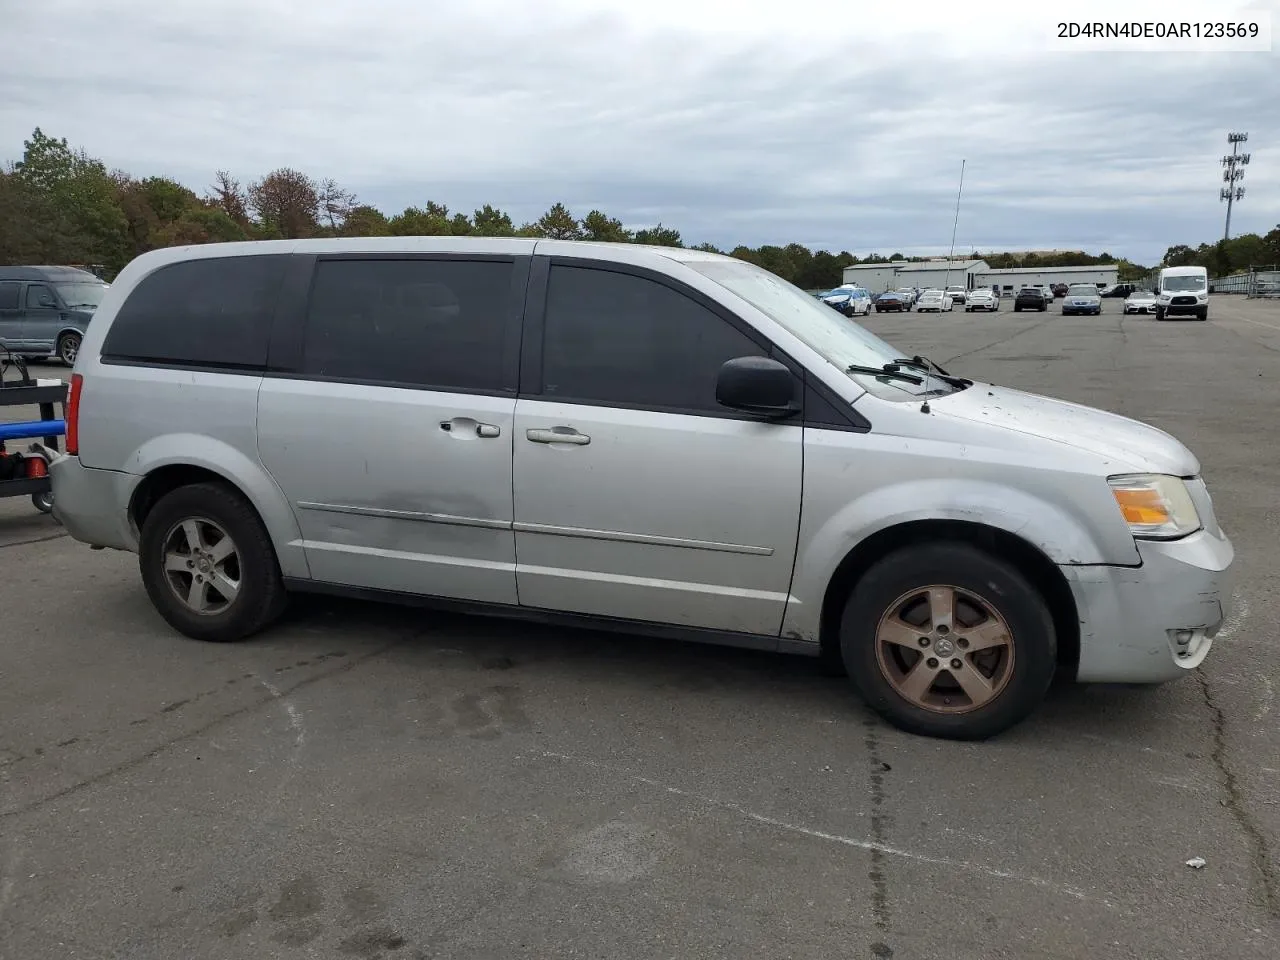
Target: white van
(1183,292)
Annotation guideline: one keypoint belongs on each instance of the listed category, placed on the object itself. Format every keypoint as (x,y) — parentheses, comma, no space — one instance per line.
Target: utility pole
(952,252)
(1232,174)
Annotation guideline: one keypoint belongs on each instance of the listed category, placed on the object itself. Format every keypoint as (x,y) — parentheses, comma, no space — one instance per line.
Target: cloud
(733,122)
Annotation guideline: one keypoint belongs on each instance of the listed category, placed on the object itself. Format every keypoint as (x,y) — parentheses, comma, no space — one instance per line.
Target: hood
(1128,444)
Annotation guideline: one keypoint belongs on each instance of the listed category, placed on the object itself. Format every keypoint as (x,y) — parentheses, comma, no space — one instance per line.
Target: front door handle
(558,435)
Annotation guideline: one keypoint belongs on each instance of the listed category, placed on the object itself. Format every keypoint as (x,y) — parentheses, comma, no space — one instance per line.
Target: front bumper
(1155,622)
(1184,309)
(93,504)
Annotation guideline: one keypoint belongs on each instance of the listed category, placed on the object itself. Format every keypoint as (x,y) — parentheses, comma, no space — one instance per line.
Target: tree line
(1226,257)
(61,205)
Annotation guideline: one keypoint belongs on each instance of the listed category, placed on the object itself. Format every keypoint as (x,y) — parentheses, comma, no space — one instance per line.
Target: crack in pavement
(996,343)
(1259,848)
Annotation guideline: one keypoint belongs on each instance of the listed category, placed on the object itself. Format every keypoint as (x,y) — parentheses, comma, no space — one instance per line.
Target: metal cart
(23,392)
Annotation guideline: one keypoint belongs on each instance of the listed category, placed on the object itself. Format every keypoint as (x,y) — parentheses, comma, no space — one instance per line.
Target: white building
(1015,278)
(938,273)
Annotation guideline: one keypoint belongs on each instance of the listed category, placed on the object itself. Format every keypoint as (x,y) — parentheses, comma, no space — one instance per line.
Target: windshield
(838,340)
(1183,284)
(82,294)
(1082,290)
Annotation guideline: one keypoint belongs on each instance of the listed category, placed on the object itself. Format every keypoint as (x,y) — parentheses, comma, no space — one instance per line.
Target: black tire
(261,597)
(1016,308)
(1159,314)
(1203,314)
(999,584)
(69,348)
(43,501)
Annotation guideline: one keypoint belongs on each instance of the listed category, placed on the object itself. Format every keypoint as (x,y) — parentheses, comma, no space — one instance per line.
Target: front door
(393,442)
(637,495)
(43,317)
(11,314)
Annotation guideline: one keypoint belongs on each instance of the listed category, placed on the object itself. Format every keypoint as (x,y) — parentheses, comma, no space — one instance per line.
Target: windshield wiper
(889,370)
(924,363)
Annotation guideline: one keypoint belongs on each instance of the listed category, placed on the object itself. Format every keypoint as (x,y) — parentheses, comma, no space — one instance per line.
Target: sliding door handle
(460,426)
(558,435)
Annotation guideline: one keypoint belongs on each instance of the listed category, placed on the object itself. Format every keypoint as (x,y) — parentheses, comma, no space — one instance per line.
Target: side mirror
(757,385)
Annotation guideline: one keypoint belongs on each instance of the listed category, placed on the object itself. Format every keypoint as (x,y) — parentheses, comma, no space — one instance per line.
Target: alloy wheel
(945,649)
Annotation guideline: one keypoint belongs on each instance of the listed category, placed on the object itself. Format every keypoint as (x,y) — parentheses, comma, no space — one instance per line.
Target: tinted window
(434,323)
(40,297)
(214,312)
(616,338)
(9,295)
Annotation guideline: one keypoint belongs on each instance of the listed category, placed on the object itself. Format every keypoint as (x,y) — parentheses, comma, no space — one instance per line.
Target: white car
(1140,301)
(981,300)
(934,300)
(908,294)
(852,301)
(957,293)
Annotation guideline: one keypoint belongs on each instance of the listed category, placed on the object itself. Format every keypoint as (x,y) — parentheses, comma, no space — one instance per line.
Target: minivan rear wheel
(208,564)
(946,640)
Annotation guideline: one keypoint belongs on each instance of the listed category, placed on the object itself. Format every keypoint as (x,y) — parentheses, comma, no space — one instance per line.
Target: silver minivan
(651,439)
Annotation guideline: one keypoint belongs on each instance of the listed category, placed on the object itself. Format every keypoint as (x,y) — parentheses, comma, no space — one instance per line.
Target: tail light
(73,415)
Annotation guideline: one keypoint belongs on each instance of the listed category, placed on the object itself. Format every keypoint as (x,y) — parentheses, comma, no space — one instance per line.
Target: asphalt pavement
(376,782)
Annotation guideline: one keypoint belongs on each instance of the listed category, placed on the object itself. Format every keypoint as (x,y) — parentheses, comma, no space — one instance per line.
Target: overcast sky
(735,122)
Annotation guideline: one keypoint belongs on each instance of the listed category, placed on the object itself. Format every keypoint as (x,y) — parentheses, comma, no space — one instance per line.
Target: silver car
(655,439)
(1082,298)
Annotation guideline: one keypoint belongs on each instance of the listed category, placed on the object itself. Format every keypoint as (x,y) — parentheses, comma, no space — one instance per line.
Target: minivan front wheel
(69,348)
(208,564)
(945,640)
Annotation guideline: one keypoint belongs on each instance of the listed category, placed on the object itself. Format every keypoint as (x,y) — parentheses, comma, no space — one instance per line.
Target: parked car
(1082,298)
(851,301)
(44,311)
(1140,301)
(957,294)
(982,299)
(934,301)
(1058,289)
(543,429)
(909,295)
(892,302)
(1030,298)
(1119,290)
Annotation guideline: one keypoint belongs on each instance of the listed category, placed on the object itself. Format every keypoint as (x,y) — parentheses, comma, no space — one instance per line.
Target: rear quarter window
(213,312)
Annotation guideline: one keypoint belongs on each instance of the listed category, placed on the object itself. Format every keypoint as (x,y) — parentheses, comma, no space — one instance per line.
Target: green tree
(559,224)
(417,222)
(365,221)
(83,196)
(489,221)
(598,226)
(659,236)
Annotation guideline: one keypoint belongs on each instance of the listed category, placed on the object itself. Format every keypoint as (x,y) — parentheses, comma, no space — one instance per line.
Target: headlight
(1155,506)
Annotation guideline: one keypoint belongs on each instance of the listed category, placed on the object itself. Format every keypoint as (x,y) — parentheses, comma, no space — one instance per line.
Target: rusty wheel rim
(945,649)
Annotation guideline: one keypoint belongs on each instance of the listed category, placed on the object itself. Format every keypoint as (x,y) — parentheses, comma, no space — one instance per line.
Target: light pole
(1232,175)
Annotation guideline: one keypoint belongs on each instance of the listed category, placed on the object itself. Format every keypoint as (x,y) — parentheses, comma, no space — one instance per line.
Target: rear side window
(417,323)
(615,338)
(9,295)
(209,312)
